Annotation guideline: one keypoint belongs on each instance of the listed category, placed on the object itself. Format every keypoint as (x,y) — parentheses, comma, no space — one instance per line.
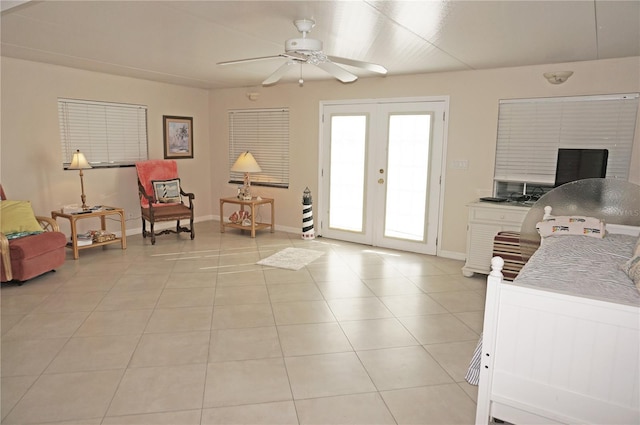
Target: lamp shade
(246,163)
(79,162)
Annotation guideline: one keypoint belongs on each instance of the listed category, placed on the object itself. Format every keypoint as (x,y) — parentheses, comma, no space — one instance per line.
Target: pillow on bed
(571,225)
(632,266)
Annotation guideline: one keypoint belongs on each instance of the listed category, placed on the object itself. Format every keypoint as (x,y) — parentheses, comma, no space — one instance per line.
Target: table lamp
(246,164)
(79,162)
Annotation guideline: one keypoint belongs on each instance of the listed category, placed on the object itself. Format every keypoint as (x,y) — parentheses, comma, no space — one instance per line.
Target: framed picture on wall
(178,137)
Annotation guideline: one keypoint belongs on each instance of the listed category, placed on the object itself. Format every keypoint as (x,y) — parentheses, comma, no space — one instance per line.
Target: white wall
(30,164)
(30,153)
(473,114)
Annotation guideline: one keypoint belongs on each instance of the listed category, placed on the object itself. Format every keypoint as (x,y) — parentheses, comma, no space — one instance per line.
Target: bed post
(491,313)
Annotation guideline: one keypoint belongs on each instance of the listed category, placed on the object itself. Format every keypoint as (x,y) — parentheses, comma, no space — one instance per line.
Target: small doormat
(291,258)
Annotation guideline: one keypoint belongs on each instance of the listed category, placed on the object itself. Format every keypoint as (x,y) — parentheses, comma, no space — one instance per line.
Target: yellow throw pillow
(17,216)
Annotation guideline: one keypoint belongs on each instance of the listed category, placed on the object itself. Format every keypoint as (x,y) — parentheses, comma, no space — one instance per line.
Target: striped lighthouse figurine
(307,215)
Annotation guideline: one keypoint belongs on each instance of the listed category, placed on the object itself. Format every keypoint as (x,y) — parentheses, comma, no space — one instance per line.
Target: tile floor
(194,332)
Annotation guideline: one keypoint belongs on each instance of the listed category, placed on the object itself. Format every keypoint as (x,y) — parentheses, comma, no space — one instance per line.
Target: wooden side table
(252,204)
(102,213)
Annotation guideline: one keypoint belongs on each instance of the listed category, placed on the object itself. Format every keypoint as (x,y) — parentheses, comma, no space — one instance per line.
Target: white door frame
(445,134)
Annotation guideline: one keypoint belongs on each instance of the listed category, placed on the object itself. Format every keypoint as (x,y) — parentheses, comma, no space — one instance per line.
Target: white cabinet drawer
(499,215)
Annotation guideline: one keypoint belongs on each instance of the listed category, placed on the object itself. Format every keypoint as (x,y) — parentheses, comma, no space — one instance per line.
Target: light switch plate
(460,164)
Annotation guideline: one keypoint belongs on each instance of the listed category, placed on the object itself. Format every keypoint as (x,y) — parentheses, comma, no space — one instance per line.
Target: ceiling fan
(309,50)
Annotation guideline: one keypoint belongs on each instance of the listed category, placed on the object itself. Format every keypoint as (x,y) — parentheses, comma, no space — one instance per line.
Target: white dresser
(486,219)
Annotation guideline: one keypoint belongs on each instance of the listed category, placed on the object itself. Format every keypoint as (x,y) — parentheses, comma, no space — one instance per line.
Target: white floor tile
(246,382)
(327,375)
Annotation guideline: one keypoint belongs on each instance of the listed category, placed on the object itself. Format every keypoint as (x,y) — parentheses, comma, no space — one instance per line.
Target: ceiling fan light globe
(304,25)
(558,77)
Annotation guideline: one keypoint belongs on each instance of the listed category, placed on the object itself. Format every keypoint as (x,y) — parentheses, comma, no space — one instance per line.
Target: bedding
(583,266)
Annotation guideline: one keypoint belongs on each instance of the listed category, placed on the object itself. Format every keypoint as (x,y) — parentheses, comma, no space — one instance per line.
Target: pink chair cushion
(36,245)
(34,255)
(155,169)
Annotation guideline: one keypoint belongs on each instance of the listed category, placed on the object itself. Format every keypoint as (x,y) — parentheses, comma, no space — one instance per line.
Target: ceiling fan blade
(291,55)
(275,77)
(338,72)
(373,67)
(250,60)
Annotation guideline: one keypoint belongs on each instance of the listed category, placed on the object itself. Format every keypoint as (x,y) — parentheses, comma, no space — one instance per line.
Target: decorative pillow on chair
(167,191)
(18,217)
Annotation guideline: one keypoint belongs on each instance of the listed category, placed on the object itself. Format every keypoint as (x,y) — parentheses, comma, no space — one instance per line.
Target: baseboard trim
(287,229)
(452,255)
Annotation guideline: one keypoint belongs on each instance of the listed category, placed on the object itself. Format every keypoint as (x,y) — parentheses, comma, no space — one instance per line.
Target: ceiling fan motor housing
(303,45)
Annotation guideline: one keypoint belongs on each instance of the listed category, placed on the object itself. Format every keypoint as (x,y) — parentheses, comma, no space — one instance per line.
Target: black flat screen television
(578,164)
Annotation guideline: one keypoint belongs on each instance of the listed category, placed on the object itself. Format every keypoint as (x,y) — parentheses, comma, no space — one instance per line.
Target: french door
(381,167)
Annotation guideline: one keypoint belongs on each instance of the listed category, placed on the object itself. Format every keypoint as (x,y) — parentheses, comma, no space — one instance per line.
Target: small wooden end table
(99,213)
(252,204)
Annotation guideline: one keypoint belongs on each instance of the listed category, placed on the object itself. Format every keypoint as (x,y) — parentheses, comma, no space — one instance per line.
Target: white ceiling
(181,41)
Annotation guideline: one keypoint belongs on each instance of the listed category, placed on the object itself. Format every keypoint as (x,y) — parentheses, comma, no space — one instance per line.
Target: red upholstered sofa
(29,256)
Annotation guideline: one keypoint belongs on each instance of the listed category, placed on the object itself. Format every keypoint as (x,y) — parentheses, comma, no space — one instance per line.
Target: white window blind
(108,134)
(530,132)
(264,133)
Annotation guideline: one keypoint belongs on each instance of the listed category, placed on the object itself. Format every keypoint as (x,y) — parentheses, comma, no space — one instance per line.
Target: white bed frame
(551,358)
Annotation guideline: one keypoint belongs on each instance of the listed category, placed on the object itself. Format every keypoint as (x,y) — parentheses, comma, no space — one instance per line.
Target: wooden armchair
(162,197)
(26,257)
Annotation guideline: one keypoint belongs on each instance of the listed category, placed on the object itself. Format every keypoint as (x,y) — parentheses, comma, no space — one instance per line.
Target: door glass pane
(407,176)
(348,146)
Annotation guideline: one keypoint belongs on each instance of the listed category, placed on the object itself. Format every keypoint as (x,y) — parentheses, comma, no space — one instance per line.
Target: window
(530,132)
(264,133)
(109,134)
